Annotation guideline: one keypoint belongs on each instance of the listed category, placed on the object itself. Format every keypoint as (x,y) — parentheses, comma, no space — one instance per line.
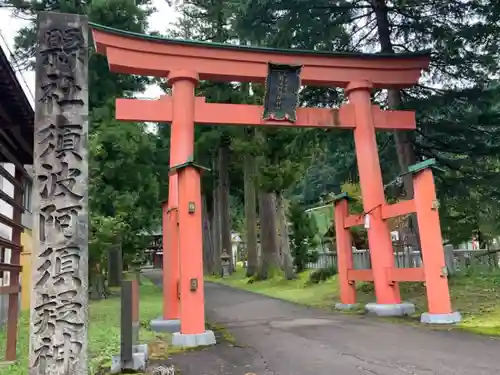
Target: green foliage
(302,236)
(123,187)
(123,173)
(322,274)
(456,105)
(122,14)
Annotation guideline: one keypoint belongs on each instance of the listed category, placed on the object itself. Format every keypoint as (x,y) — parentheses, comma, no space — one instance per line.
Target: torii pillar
(183,243)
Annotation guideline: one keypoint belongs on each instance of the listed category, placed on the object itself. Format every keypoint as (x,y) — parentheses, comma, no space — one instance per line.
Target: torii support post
(171,255)
(344,253)
(192,307)
(436,275)
(433,271)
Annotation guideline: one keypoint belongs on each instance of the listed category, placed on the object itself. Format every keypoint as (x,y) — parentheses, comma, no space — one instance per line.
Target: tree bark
(269,261)
(216,238)
(249,171)
(284,240)
(208,259)
(97,287)
(404,140)
(225,216)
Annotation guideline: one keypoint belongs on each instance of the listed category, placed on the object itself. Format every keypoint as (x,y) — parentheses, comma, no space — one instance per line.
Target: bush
(322,274)
(302,236)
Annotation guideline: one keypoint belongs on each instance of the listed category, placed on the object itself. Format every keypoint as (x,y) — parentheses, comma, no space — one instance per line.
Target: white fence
(456,259)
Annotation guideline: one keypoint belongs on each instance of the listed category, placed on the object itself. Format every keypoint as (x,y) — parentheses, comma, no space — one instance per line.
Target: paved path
(295,340)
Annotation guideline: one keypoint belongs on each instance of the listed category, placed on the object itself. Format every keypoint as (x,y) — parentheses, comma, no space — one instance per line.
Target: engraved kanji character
(49,134)
(54,38)
(73,39)
(68,140)
(59,183)
(68,310)
(59,264)
(67,262)
(61,137)
(44,321)
(43,354)
(45,269)
(62,89)
(66,353)
(64,219)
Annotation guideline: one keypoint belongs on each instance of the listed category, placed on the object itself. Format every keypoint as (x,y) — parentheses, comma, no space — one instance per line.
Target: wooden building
(16,152)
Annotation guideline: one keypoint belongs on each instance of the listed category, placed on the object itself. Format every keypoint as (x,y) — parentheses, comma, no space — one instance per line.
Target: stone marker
(115,265)
(133,357)
(59,297)
(225,263)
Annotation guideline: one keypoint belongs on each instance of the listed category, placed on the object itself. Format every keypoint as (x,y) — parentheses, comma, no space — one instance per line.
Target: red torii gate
(184,63)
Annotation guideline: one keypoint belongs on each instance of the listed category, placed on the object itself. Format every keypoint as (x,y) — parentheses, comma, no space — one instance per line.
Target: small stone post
(133,357)
(115,265)
(126,320)
(449,258)
(59,297)
(225,259)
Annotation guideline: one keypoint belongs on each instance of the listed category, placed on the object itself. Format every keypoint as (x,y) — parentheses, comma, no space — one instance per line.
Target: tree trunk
(284,244)
(208,260)
(225,215)
(269,262)
(250,215)
(216,238)
(404,140)
(97,287)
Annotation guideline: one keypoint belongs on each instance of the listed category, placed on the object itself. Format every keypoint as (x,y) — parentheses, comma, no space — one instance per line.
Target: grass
(104,331)
(476,295)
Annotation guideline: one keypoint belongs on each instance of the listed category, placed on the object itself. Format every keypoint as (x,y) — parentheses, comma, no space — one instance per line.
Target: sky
(159,21)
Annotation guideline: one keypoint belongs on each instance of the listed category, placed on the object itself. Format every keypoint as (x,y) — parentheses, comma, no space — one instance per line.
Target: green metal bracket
(418,167)
(429,163)
(341,196)
(177,168)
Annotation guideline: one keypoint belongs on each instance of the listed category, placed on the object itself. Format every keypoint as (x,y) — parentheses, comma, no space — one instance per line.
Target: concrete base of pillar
(193,340)
(396,309)
(451,318)
(161,325)
(346,306)
(138,363)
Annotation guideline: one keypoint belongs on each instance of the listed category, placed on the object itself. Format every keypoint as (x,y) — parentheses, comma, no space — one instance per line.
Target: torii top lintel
(132,53)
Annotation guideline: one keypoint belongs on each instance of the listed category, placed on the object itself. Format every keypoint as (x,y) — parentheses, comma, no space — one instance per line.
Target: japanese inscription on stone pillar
(59,299)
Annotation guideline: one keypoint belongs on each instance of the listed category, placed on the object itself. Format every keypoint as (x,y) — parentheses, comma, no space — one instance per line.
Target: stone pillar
(59,298)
